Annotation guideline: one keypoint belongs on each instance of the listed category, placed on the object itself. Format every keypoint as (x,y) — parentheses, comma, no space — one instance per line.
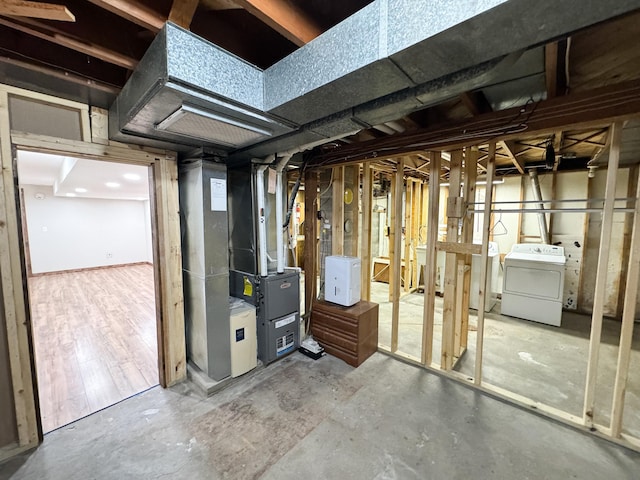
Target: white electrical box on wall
(244,343)
(342,280)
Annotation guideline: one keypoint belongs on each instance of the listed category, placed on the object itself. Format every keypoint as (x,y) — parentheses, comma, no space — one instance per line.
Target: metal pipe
(585,200)
(262,227)
(280,251)
(542,219)
(553,210)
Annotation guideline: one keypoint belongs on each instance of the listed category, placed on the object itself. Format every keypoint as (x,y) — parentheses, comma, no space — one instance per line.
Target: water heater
(342,280)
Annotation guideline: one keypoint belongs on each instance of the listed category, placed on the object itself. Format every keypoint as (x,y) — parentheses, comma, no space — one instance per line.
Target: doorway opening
(88,248)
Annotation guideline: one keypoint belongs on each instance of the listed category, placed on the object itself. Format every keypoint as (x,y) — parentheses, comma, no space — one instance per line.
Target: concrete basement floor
(322,419)
(544,363)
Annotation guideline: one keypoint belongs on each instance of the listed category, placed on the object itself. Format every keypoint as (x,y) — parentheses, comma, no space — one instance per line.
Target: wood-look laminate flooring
(95,339)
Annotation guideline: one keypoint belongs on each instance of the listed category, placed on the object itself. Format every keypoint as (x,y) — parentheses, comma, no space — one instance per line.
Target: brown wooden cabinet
(349,333)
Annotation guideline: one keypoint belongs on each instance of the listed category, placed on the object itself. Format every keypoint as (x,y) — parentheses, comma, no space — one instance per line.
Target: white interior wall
(73,233)
(597,189)
(147,230)
(568,231)
(505,226)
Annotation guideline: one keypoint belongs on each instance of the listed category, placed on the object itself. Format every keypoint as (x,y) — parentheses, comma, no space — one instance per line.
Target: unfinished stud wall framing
(459,247)
(167,256)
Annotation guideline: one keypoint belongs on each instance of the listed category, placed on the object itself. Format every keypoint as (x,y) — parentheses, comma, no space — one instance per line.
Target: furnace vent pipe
(262,227)
(280,191)
(537,195)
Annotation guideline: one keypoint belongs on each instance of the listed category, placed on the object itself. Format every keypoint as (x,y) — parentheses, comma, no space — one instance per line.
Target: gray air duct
(188,91)
(390,58)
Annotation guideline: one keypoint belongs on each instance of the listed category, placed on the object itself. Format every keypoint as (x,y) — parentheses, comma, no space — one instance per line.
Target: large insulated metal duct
(388,59)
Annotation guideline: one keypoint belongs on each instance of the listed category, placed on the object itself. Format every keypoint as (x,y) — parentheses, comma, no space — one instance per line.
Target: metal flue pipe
(537,195)
(280,191)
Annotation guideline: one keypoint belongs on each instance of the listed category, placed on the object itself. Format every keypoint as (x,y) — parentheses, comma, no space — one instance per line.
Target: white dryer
(533,283)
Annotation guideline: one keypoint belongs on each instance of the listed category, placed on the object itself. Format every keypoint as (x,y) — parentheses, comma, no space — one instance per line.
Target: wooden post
(408,200)
(392,235)
(484,262)
(470,174)
(460,317)
(13,296)
(628,315)
(450,308)
(430,261)
(337,212)
(415,227)
(365,245)
(626,246)
(601,275)
(310,238)
(523,180)
(395,245)
(171,330)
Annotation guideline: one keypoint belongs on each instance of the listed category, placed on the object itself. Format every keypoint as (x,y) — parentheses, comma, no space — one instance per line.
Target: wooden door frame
(164,204)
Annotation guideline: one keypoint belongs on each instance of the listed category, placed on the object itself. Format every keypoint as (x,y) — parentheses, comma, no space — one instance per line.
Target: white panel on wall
(73,233)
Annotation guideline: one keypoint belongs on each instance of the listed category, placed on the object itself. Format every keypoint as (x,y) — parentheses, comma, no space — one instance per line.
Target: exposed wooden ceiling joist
(285,18)
(551,69)
(508,148)
(45,32)
(182,12)
(48,11)
(133,11)
(590,109)
(588,139)
(219,4)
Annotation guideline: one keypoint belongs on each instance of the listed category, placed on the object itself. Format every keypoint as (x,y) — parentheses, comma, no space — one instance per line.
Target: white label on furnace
(286,321)
(218,195)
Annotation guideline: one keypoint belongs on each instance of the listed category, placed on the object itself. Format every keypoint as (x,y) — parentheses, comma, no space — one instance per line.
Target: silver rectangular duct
(188,91)
(387,60)
(205,254)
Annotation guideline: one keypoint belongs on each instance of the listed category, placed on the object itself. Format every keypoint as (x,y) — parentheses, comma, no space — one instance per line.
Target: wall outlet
(109,255)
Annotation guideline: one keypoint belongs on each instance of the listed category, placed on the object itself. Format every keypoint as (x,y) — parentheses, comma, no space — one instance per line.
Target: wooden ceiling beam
(47,11)
(182,12)
(509,150)
(133,11)
(285,18)
(583,110)
(220,5)
(43,31)
(554,68)
(59,62)
(588,139)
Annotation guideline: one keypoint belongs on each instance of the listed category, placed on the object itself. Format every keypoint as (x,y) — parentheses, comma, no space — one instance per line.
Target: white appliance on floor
(244,342)
(342,280)
(534,282)
(493,272)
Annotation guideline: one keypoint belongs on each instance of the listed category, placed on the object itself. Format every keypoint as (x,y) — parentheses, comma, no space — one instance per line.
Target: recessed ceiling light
(81,190)
(131,176)
(112,184)
(71,194)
